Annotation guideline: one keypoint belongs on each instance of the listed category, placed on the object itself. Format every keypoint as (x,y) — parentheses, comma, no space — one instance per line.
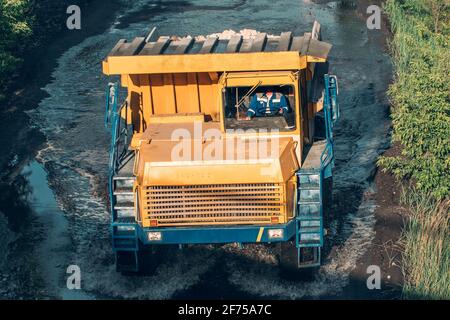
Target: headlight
(154,236)
(276,234)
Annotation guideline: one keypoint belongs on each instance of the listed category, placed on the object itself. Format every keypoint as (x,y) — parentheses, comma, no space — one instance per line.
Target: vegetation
(15,30)
(420,99)
(25,25)
(420,96)
(427,248)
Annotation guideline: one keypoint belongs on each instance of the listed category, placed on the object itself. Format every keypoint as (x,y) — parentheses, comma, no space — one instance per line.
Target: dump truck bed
(213,54)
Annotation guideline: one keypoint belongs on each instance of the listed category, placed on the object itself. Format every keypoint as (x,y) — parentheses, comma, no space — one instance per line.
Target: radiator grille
(213,204)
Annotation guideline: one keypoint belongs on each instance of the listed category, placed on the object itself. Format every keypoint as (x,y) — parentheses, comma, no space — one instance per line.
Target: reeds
(426,243)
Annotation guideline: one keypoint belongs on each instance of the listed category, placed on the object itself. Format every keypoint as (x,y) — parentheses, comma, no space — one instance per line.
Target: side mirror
(111,101)
(332,92)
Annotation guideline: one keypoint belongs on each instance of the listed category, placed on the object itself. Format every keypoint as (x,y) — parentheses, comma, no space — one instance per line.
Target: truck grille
(213,204)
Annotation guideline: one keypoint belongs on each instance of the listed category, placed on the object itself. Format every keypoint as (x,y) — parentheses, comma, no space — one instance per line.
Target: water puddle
(53,252)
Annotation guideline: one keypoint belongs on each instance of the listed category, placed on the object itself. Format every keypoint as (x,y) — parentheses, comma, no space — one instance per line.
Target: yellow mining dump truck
(217,142)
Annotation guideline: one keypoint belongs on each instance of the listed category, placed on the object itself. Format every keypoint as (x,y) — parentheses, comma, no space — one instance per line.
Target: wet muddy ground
(65,185)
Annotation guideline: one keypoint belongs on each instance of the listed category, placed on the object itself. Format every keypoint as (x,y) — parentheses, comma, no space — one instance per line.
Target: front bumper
(217,234)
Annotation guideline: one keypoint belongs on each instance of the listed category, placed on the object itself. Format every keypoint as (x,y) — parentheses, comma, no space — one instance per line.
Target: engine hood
(232,160)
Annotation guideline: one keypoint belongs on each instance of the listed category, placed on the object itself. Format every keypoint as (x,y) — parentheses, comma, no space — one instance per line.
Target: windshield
(260,107)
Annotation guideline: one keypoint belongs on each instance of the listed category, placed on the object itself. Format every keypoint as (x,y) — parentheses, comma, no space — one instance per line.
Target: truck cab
(216,142)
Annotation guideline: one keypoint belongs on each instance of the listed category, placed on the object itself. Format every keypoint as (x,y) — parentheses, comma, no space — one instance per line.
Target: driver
(267,104)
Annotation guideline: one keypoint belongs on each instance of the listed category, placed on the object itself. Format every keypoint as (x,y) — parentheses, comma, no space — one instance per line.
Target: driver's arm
(251,112)
(284,108)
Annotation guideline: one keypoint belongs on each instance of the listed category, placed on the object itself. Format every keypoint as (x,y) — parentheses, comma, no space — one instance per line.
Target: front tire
(290,266)
(141,263)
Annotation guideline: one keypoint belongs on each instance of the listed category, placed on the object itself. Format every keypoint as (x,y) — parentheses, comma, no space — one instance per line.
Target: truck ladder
(309,218)
(121,183)
(124,226)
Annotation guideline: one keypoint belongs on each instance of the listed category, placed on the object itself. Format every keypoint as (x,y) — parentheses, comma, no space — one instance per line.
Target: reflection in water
(53,251)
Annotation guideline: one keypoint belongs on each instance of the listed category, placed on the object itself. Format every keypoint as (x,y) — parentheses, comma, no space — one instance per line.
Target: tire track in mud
(76,156)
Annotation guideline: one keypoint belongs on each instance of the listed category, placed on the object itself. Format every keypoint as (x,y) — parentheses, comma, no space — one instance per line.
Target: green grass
(420,98)
(15,30)
(426,243)
(25,25)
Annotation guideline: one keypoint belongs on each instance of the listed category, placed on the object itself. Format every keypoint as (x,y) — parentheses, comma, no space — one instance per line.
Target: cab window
(260,107)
